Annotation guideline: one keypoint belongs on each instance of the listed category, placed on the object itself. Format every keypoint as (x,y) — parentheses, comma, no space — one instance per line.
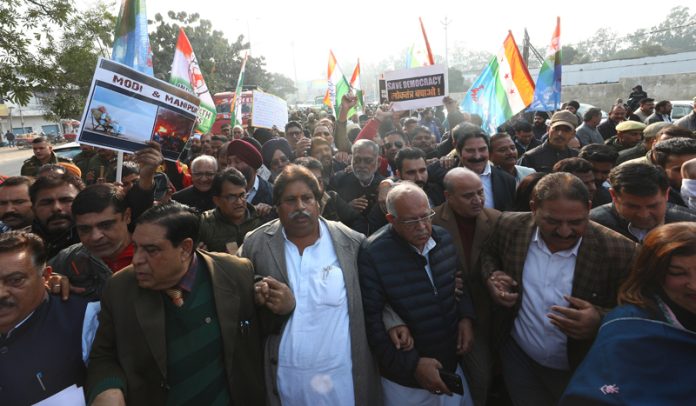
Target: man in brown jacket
(553,273)
(179,325)
(470,225)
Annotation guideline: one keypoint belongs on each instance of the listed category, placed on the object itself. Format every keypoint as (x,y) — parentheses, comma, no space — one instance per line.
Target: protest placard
(414,88)
(268,110)
(125,109)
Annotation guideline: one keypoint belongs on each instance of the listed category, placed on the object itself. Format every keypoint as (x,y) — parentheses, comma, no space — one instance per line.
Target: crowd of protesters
(381,258)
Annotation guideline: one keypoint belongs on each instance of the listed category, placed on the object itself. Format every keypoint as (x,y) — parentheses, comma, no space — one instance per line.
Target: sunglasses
(396,144)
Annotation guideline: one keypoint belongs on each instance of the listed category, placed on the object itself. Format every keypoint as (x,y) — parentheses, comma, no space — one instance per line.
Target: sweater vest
(43,355)
(195,366)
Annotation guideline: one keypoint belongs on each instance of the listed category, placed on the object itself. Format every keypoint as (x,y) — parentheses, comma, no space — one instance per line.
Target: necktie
(176,295)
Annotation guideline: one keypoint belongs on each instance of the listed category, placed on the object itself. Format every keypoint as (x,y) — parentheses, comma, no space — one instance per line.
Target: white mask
(688,193)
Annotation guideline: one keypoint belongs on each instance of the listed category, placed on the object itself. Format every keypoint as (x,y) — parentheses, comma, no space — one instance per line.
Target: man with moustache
(15,204)
(51,199)
(552,274)
(30,369)
(320,355)
(359,187)
(617,114)
(504,156)
(179,324)
(473,149)
(539,124)
(555,148)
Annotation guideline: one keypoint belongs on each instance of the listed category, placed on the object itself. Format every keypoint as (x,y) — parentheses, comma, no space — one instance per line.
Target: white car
(681,108)
(68,150)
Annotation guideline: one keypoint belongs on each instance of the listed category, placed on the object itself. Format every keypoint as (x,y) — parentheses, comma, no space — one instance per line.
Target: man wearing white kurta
(318,354)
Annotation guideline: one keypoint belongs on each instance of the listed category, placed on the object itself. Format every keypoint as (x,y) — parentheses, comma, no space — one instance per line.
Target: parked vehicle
(681,108)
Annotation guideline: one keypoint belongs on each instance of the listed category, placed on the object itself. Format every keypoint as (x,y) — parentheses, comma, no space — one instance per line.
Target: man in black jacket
(473,148)
(640,194)
(410,265)
(555,148)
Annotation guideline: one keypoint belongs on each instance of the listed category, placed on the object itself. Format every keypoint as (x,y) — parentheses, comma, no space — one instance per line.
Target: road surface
(11,160)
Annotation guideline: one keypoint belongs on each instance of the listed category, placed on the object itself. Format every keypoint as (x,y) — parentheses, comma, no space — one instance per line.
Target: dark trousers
(527,381)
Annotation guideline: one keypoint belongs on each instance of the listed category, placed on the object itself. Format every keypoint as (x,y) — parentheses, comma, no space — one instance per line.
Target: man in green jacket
(224,227)
(43,154)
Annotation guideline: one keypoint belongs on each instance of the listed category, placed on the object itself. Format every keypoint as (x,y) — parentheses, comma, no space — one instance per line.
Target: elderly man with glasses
(410,265)
(199,194)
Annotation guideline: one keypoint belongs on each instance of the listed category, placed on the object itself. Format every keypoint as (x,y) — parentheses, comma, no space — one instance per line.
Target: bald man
(464,216)
(410,265)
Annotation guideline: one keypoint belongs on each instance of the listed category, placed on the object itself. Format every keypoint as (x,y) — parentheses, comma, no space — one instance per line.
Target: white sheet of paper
(70,396)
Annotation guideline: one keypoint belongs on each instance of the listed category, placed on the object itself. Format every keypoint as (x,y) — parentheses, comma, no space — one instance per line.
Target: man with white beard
(359,186)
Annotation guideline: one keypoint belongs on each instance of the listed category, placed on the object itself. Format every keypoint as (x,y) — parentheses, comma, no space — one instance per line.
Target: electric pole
(445,23)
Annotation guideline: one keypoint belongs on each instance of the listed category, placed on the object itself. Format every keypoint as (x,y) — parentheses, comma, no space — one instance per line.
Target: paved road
(11,160)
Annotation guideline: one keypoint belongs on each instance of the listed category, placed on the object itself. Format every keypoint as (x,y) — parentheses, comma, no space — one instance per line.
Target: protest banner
(415,88)
(382,86)
(268,110)
(125,109)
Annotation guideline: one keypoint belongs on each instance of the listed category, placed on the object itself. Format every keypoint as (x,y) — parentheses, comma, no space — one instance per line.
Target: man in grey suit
(320,355)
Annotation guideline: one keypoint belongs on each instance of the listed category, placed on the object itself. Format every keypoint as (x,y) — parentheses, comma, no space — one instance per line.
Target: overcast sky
(373,30)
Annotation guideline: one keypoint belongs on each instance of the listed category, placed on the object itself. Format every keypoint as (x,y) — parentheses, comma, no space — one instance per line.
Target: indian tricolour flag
(357,88)
(503,89)
(337,85)
(236,105)
(186,73)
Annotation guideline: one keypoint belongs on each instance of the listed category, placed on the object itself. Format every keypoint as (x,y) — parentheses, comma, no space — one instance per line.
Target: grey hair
(205,158)
(405,187)
(365,144)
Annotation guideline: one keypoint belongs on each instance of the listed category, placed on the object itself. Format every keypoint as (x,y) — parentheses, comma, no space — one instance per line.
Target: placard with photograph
(126,109)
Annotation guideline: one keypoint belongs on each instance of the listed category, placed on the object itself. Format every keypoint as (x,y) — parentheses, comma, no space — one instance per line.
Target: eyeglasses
(203,174)
(415,222)
(397,144)
(231,198)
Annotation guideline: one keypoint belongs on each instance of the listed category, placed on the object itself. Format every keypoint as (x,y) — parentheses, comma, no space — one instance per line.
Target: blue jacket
(638,358)
(392,272)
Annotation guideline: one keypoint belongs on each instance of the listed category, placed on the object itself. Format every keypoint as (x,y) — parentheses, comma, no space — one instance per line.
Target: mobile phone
(453,381)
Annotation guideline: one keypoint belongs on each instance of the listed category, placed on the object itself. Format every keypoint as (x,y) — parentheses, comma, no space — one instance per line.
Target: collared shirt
(252,192)
(546,278)
(315,365)
(639,233)
(426,250)
(186,282)
(487,186)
